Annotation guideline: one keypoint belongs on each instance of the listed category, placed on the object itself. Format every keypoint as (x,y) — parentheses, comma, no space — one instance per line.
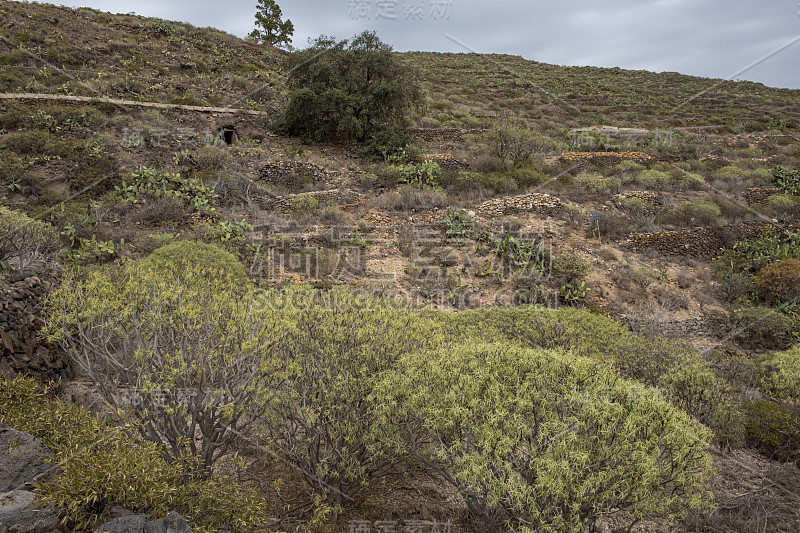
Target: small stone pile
(284,204)
(286,173)
(605,157)
(21,350)
(542,203)
(376,217)
(444,134)
(759,195)
(652,198)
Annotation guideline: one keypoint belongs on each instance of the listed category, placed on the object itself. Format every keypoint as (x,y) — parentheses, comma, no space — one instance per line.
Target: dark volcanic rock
(20,513)
(22,459)
(173,523)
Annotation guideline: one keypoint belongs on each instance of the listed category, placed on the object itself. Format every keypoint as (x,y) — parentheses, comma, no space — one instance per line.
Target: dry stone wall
(445,134)
(284,204)
(699,243)
(759,195)
(546,204)
(21,350)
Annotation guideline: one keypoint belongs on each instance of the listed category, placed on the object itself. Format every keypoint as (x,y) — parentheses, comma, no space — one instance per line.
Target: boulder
(22,460)
(173,523)
(20,513)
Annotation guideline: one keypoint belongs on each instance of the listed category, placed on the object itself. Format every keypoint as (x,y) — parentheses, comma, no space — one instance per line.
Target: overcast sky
(738,39)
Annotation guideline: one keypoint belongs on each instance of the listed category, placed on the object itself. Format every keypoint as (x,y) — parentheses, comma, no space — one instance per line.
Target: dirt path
(116,101)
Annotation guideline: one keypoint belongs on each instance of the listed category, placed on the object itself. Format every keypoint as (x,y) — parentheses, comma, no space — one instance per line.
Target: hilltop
(665,204)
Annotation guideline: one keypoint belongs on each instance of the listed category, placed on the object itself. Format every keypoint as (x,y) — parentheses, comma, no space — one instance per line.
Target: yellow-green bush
(755,327)
(783,206)
(23,238)
(589,334)
(304,202)
(774,424)
(653,179)
(176,341)
(693,386)
(538,440)
(101,464)
(334,347)
(594,183)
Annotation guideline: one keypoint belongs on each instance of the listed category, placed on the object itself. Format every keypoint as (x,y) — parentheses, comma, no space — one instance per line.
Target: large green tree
(270,28)
(345,90)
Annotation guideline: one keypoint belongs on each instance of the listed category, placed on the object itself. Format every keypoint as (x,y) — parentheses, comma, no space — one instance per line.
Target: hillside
(662,208)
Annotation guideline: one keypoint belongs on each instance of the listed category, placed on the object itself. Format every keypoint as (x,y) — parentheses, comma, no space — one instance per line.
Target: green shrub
(628,170)
(780,379)
(181,332)
(150,183)
(729,173)
(570,267)
(779,282)
(177,259)
(589,334)
(700,212)
(755,327)
(770,425)
(636,207)
(346,90)
(643,276)
(546,441)
(515,140)
(781,375)
(210,159)
(693,386)
(653,179)
(389,145)
(689,180)
(334,349)
(783,206)
(787,179)
(36,143)
(304,202)
(102,464)
(594,183)
(24,239)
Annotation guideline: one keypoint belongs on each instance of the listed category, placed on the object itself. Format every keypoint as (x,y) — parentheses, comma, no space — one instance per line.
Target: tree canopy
(345,90)
(270,28)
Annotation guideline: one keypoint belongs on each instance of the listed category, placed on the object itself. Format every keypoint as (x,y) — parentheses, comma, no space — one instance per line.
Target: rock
(21,349)
(127,524)
(22,459)
(20,513)
(173,523)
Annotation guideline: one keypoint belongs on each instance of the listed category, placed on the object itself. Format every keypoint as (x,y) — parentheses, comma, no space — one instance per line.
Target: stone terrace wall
(699,243)
(507,205)
(21,351)
(283,204)
(444,134)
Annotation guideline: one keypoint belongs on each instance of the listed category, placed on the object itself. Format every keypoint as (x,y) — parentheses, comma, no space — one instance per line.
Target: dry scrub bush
(175,341)
(100,464)
(321,416)
(779,282)
(538,440)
